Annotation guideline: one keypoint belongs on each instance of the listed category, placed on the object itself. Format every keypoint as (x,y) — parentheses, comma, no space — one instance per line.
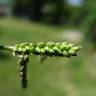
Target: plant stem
(6,47)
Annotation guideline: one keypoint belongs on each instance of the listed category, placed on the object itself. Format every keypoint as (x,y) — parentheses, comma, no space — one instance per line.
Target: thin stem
(6,47)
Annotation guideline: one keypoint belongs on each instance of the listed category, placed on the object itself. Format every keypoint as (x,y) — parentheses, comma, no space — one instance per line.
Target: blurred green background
(49,20)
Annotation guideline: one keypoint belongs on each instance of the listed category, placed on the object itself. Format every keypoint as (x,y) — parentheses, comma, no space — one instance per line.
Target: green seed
(15,49)
(24,49)
(46,48)
(75,48)
(37,49)
(20,73)
(19,49)
(14,53)
(50,44)
(51,51)
(71,52)
(57,45)
(42,50)
(70,45)
(63,47)
(41,44)
(27,47)
(65,53)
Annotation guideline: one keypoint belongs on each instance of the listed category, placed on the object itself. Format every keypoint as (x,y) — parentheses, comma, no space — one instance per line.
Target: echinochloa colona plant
(24,50)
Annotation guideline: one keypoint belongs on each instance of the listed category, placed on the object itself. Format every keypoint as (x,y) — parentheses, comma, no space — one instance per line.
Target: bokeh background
(49,20)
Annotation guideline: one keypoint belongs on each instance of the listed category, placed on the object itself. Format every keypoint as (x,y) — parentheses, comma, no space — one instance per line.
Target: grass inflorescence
(49,49)
(23,50)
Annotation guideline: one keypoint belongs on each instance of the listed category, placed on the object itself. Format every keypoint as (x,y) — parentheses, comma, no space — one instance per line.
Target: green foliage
(89,20)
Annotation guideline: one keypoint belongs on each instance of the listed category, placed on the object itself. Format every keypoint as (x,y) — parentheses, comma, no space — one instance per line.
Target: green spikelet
(49,49)
(22,68)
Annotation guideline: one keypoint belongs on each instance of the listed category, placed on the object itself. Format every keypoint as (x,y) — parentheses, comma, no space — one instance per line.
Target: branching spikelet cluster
(23,50)
(49,49)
